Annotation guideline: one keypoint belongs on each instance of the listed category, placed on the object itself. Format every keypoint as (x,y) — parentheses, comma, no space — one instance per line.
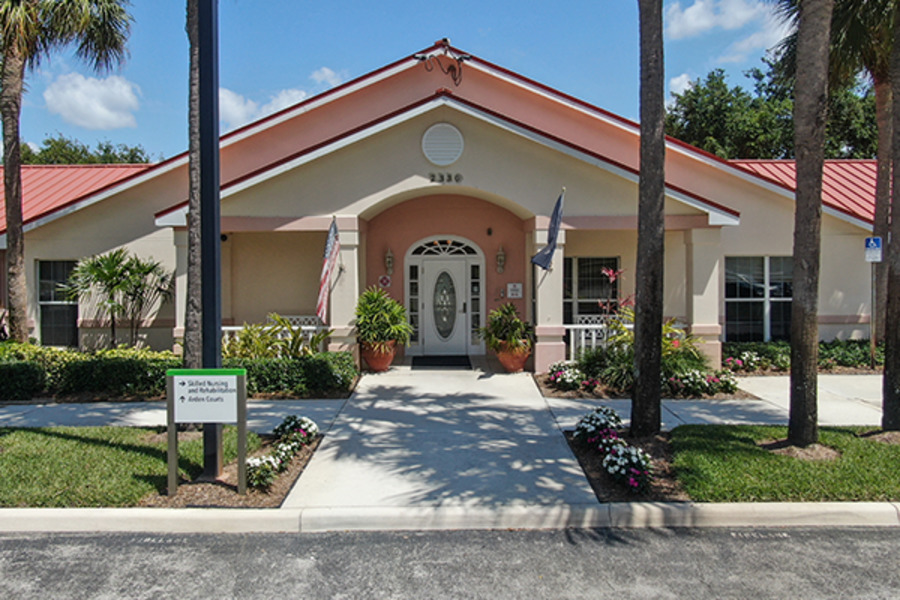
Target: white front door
(444,310)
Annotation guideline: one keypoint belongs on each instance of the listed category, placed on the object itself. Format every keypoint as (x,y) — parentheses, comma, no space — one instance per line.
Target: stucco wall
(401,226)
(124,220)
(274,272)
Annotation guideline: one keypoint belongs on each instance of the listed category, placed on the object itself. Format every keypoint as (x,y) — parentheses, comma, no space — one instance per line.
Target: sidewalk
(459,449)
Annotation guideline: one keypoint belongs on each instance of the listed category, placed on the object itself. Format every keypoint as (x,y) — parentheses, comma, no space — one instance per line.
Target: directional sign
(205,395)
(873,249)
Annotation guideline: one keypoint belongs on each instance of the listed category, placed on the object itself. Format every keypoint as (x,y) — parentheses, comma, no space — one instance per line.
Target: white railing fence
(309,325)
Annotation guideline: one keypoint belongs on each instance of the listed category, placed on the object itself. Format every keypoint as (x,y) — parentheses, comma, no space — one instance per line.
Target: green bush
(22,380)
(756,356)
(320,373)
(592,361)
(52,360)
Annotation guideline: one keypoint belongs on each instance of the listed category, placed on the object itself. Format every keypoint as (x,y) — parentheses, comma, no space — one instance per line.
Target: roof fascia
(177,216)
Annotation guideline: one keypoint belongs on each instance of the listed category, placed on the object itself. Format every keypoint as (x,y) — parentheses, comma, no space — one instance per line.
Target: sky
(273,53)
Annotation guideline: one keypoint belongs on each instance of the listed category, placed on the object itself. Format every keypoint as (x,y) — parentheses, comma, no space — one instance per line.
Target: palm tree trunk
(890,419)
(193,334)
(646,414)
(813,34)
(883,106)
(13,76)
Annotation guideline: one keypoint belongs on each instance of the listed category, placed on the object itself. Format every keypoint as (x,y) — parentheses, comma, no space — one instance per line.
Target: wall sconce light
(501,259)
(389,262)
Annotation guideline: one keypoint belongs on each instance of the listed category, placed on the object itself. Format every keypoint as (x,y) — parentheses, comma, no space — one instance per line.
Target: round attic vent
(442,144)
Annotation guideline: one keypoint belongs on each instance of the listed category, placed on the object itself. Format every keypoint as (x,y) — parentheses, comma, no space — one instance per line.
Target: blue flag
(545,256)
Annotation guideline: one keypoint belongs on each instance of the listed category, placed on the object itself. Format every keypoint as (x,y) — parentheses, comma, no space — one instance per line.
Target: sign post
(873,255)
(209,396)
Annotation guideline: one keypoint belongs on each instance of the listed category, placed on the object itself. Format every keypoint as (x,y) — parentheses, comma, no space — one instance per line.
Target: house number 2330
(445,177)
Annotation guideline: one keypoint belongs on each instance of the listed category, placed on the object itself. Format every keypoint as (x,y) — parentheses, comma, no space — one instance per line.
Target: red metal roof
(848,186)
(47,188)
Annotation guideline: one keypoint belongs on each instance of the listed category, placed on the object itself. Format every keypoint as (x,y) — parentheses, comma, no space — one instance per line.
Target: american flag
(332,249)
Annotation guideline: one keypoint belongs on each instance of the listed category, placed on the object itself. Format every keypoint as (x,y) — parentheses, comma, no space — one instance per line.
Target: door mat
(442,361)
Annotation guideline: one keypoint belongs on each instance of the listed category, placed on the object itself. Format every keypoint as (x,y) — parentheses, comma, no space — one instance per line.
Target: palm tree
(193,335)
(105,275)
(811,98)
(645,414)
(861,41)
(31,29)
(890,419)
(146,282)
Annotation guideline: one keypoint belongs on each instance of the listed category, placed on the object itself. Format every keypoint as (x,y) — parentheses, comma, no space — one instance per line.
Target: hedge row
(27,370)
(777,355)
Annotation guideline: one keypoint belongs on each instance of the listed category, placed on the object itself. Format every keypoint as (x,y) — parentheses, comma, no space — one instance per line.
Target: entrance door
(444,314)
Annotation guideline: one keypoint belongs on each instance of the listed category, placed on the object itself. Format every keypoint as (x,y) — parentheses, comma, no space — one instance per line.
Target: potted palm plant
(381,324)
(509,336)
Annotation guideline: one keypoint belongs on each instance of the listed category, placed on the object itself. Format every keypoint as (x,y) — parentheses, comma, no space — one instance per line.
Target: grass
(724,464)
(94,466)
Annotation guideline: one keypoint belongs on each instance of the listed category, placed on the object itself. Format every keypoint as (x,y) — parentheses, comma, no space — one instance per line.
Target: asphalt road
(620,564)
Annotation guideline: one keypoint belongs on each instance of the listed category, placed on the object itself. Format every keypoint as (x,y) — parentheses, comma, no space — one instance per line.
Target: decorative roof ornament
(432,58)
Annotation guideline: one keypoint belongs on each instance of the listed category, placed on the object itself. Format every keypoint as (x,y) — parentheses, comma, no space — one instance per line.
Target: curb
(628,515)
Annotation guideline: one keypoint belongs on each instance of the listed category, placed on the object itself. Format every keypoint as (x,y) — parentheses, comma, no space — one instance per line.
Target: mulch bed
(223,493)
(663,488)
(601,392)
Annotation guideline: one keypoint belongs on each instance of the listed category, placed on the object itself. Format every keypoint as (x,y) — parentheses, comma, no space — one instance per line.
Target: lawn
(728,464)
(94,466)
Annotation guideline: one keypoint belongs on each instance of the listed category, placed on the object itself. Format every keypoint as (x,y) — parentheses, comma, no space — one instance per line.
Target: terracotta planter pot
(513,360)
(379,358)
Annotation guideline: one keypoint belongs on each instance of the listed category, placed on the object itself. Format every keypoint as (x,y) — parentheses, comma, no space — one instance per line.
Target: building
(442,171)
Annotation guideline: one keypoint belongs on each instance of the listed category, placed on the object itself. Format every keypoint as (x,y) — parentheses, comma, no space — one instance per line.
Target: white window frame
(767,299)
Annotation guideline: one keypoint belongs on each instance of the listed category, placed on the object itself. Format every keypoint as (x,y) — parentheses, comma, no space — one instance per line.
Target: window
(59,316)
(758,291)
(585,286)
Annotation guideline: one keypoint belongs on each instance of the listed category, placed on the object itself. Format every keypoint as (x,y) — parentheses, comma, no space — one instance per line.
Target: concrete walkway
(443,438)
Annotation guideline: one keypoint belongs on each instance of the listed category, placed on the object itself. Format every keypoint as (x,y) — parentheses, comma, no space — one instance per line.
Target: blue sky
(276,52)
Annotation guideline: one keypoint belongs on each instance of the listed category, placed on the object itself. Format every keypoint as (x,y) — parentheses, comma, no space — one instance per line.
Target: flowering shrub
(694,383)
(626,464)
(261,471)
(567,376)
(600,419)
(293,434)
(302,428)
(630,466)
(733,364)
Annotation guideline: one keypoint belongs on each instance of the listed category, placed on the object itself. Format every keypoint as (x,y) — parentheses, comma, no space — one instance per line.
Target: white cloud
(326,76)
(236,110)
(281,100)
(678,85)
(93,103)
(773,30)
(705,15)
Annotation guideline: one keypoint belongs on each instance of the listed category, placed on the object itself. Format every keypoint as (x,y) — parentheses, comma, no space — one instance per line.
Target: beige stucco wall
(767,225)
(124,220)
(274,272)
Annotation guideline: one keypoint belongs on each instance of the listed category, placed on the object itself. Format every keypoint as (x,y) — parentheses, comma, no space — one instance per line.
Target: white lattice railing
(309,325)
(592,331)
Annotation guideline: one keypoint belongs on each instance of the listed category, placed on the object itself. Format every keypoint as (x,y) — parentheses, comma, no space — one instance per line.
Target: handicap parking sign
(873,249)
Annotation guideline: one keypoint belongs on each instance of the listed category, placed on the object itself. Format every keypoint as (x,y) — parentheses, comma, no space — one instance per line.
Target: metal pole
(872,328)
(210,248)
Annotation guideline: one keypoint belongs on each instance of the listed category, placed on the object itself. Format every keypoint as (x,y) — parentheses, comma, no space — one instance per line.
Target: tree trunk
(890,419)
(10,109)
(193,334)
(883,107)
(811,91)
(645,414)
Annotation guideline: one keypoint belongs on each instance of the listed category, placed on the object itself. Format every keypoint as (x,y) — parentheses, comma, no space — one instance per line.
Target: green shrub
(22,380)
(592,361)
(320,373)
(119,372)
(762,356)
(52,360)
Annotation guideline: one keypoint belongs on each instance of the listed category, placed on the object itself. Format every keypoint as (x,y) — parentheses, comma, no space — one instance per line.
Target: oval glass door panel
(444,305)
